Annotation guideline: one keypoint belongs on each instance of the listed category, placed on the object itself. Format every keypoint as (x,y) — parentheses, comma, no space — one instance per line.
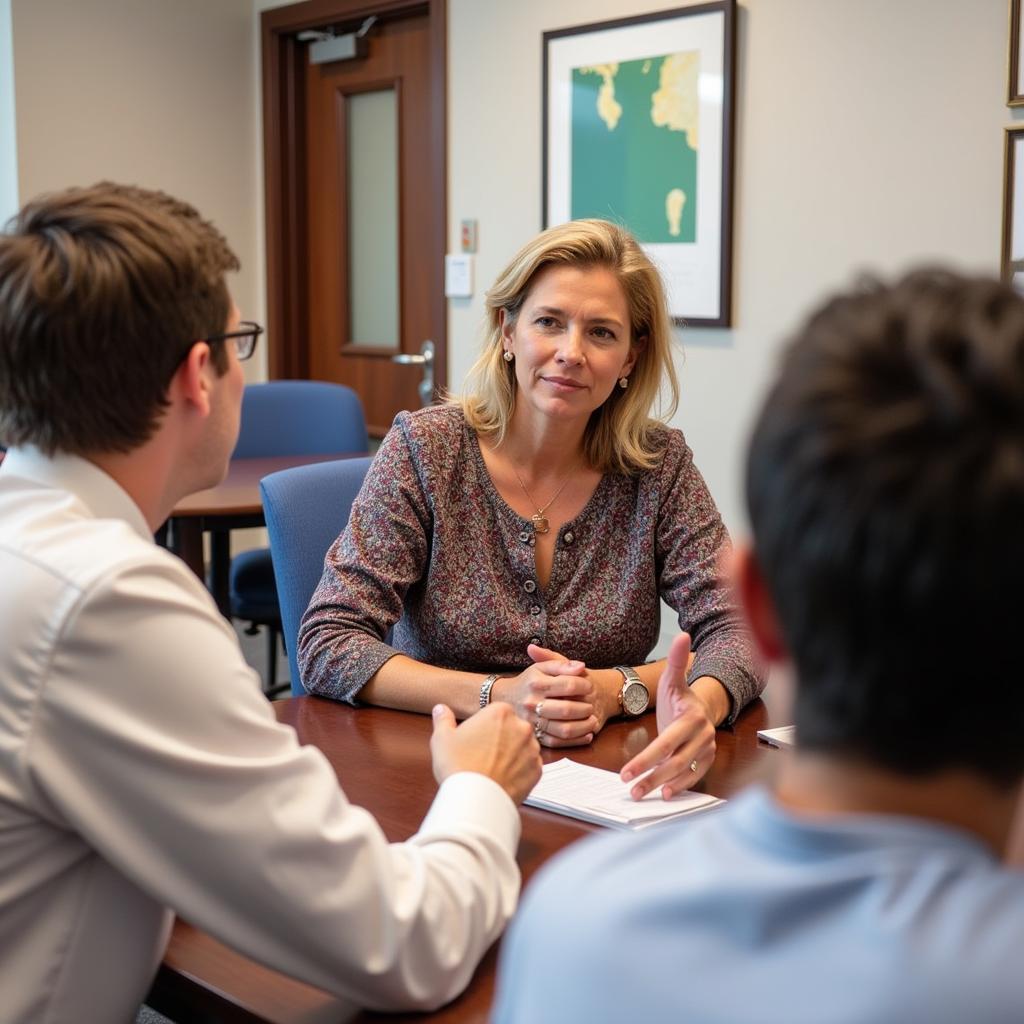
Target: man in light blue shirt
(885,485)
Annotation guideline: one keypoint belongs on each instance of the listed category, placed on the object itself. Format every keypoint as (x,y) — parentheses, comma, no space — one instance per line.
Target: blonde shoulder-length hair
(621,436)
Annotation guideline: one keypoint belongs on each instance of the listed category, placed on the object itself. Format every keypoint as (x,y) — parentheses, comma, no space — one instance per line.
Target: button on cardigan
(432,549)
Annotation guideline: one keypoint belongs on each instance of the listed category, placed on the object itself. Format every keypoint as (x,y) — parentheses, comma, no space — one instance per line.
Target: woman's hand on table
(599,693)
(555,696)
(685,747)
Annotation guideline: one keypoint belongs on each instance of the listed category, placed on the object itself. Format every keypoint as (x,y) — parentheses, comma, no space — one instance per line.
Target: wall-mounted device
(327,47)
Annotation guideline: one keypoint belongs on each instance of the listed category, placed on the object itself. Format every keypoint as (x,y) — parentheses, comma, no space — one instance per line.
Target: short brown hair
(621,435)
(102,292)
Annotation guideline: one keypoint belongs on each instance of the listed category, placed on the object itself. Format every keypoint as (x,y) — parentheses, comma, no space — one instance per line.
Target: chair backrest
(300,417)
(306,509)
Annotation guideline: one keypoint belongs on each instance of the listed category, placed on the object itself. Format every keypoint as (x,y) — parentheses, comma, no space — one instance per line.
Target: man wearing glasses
(142,773)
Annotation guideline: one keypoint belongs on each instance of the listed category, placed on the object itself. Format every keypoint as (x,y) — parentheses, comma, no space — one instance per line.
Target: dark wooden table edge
(205,1002)
(187,1001)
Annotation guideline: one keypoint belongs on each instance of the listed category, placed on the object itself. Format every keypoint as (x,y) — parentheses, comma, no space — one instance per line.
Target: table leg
(220,570)
(187,543)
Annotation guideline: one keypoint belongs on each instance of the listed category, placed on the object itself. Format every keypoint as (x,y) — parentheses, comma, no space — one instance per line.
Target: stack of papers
(784,736)
(602,798)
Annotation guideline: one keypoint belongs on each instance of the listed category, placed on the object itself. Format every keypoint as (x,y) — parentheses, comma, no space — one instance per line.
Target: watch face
(635,699)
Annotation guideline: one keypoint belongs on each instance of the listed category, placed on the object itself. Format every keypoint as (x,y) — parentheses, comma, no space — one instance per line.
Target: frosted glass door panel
(372,119)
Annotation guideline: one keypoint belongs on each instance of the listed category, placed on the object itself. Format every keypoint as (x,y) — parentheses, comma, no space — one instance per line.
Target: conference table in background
(382,760)
(233,504)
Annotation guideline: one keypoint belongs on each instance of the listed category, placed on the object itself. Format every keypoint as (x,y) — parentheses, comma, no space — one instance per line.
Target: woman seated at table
(519,540)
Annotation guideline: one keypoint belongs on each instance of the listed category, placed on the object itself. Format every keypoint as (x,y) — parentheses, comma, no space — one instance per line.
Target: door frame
(284,129)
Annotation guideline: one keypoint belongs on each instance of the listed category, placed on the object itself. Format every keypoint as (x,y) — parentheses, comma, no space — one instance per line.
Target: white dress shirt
(142,773)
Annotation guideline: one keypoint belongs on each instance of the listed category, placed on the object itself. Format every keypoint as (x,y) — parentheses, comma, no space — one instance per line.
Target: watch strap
(629,675)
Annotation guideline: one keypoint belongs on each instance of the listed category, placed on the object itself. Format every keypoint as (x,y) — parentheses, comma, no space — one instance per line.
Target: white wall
(8,141)
(158,93)
(869,135)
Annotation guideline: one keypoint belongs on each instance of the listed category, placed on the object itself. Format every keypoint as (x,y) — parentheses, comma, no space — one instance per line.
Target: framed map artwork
(638,129)
(1013,208)
(1015,88)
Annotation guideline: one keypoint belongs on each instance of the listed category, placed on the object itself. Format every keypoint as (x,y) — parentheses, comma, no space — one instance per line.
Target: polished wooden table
(233,504)
(382,760)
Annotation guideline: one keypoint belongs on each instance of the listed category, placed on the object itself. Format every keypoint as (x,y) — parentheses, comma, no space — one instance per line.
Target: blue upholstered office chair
(306,508)
(286,417)
(300,417)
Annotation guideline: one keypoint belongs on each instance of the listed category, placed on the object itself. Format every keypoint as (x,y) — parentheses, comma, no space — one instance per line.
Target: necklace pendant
(540,523)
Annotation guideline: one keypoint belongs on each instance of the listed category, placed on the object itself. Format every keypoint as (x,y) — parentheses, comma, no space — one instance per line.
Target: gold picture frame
(1015,70)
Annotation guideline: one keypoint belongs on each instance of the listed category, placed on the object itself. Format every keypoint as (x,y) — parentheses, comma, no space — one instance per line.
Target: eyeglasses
(244,338)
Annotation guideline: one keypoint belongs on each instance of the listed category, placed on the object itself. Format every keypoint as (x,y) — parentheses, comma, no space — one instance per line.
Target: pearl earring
(623,383)
(508,356)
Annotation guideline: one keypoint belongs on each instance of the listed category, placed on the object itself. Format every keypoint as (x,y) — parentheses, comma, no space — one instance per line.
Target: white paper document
(601,797)
(784,736)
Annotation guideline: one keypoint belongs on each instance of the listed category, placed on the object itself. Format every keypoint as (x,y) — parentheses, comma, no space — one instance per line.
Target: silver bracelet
(485,690)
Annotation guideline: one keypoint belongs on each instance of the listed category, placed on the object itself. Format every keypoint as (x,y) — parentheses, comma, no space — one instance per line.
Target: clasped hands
(569,704)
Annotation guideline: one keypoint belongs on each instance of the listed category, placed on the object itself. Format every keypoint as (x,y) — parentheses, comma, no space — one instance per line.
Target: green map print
(634,145)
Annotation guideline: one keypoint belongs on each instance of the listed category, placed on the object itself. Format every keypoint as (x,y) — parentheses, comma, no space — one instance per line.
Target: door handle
(424,358)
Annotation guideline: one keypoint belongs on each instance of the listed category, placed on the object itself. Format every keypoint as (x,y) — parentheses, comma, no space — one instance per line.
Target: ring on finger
(538,709)
(538,728)
(693,765)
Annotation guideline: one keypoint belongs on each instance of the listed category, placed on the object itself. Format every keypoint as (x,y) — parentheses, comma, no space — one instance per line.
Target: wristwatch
(634,697)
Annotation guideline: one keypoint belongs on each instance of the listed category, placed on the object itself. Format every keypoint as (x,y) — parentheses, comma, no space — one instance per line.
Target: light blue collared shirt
(751,914)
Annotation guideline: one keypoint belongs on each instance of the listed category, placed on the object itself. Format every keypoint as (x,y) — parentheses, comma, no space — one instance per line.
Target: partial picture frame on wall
(1015,86)
(1012,262)
(638,123)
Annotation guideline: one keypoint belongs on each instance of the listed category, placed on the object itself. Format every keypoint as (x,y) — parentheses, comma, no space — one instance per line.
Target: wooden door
(325,320)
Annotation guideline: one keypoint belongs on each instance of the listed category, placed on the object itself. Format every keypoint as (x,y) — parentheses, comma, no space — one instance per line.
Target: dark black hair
(885,487)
